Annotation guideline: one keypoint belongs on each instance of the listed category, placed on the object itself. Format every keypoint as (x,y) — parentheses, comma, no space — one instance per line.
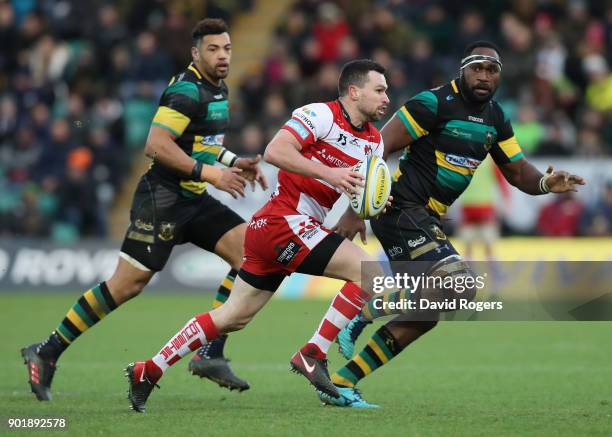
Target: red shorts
(478,214)
(279,245)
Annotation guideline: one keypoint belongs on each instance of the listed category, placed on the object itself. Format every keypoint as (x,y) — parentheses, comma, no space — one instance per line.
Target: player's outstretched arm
(283,152)
(161,147)
(524,176)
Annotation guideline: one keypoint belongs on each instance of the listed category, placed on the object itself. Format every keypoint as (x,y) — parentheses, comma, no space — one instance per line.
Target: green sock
(225,288)
(381,348)
(95,304)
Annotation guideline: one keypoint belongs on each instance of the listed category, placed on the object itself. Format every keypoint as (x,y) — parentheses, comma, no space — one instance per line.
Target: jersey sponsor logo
(213,140)
(309,111)
(258,223)
(145,226)
(462,161)
(298,128)
(449,97)
(459,133)
(331,159)
(307,229)
(476,119)
(395,251)
(341,139)
(306,120)
(217,110)
(218,96)
(417,241)
(166,231)
(287,253)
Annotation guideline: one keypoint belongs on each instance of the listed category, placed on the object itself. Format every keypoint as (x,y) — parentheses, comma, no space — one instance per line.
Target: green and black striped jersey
(452,139)
(197,112)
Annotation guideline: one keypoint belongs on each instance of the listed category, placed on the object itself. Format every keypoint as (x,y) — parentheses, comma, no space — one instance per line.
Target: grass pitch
(487,378)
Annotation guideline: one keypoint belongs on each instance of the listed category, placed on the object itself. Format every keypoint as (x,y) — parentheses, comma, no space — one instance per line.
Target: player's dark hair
(356,73)
(208,26)
(479,44)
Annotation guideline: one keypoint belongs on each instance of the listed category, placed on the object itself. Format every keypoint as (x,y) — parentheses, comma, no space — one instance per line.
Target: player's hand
(349,225)
(562,181)
(388,205)
(231,182)
(251,171)
(345,179)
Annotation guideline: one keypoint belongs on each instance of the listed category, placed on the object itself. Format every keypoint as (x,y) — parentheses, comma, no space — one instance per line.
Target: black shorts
(161,218)
(412,234)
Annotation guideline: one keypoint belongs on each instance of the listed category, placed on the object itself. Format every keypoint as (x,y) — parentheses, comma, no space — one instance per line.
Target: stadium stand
(78,89)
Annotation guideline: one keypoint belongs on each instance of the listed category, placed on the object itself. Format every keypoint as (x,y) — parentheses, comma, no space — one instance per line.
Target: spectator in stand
(560,217)
(597,221)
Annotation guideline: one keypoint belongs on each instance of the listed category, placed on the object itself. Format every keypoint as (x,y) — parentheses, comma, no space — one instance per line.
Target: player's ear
(195,53)
(354,92)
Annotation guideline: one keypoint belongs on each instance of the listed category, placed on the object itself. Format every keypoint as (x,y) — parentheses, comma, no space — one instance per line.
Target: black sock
(52,347)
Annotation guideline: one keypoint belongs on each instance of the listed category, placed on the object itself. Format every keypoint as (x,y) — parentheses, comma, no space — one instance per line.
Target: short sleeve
(419,114)
(506,149)
(310,123)
(177,107)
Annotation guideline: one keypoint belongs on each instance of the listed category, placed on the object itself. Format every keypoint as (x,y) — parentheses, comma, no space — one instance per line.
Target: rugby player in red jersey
(315,151)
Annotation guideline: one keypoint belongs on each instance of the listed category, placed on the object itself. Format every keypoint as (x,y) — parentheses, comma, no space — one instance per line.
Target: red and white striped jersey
(326,136)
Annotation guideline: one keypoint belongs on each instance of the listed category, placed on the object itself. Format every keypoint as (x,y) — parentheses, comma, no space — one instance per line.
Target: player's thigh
(243,303)
(218,229)
(351,263)
(230,246)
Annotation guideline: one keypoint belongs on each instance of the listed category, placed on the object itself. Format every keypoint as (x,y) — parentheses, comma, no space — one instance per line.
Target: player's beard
(471,96)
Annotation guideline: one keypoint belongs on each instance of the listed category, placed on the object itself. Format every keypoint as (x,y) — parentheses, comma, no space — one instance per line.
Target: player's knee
(371,273)
(127,290)
(454,281)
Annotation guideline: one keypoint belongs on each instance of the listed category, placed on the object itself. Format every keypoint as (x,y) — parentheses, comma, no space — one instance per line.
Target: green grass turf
(484,378)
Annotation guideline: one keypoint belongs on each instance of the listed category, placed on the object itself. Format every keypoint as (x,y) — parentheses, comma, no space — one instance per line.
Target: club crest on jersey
(437,232)
(367,149)
(166,231)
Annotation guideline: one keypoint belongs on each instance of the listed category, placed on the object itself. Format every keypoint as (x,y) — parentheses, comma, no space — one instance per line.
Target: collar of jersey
(200,76)
(346,115)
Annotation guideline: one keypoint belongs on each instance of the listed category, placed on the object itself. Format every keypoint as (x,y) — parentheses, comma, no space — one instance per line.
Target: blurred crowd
(80,81)
(79,84)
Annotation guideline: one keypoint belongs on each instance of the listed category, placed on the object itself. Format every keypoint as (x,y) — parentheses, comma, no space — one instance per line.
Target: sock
(370,312)
(198,331)
(381,348)
(92,307)
(346,305)
(213,349)
(225,288)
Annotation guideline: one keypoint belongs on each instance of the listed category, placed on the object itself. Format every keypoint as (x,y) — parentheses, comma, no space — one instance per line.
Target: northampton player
(171,207)
(315,151)
(446,133)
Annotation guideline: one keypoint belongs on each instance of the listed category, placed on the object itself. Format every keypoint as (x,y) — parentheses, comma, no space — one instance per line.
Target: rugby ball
(370,200)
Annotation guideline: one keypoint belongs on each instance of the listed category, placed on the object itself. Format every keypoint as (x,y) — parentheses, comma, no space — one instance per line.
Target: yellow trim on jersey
(171,119)
(454,85)
(194,186)
(378,351)
(510,146)
(396,174)
(199,147)
(417,127)
(195,70)
(76,320)
(437,206)
(442,162)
